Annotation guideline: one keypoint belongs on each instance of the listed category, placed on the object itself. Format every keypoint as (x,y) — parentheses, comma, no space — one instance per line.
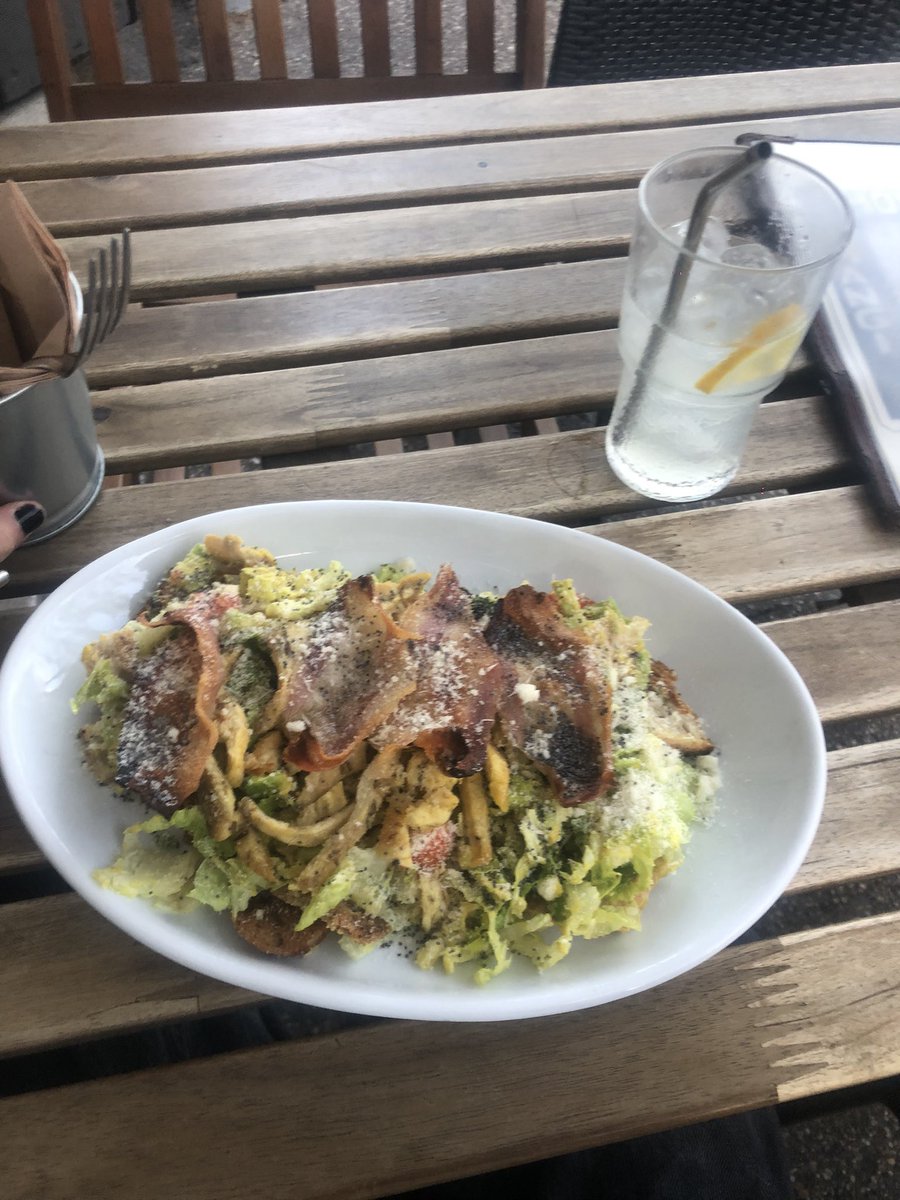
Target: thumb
(17,521)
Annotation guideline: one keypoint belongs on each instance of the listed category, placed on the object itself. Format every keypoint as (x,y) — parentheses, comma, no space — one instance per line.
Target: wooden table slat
(106,147)
(305,408)
(218,337)
(17,850)
(771,547)
(859,830)
(214,194)
(307,251)
(758,1023)
(313,278)
(841,656)
(815,540)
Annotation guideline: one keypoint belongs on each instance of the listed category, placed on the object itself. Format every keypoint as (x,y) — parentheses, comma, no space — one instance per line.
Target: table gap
(163,1044)
(31,884)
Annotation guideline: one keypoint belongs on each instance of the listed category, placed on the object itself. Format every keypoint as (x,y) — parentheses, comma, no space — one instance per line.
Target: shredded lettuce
(222,883)
(270,791)
(193,573)
(171,870)
(109,691)
(291,595)
(393,572)
(103,687)
(153,865)
(338,888)
(252,682)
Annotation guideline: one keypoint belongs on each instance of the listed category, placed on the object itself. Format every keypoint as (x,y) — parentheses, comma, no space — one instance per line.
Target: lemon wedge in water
(766,350)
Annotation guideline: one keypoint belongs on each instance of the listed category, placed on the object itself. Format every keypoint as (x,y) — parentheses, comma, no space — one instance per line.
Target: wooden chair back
(110,94)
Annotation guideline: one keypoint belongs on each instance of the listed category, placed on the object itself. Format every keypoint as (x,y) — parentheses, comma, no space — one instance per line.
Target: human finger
(17,521)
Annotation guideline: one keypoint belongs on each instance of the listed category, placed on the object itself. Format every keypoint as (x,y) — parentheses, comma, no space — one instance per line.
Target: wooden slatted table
(406,275)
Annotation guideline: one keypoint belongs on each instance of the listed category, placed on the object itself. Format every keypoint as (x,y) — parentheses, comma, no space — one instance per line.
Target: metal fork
(109,281)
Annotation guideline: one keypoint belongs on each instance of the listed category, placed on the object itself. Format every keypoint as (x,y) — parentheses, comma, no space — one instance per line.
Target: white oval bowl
(756,706)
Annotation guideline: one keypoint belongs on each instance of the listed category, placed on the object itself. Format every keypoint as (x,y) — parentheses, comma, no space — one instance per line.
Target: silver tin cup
(49,451)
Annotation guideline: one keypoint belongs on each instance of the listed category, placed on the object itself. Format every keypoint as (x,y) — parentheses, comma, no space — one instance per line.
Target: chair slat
(480,36)
(269,30)
(214,40)
(531,41)
(52,51)
(159,39)
(429,49)
(323,39)
(376,38)
(100,25)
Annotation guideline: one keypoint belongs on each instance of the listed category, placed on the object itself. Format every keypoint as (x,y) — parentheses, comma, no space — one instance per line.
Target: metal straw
(706,197)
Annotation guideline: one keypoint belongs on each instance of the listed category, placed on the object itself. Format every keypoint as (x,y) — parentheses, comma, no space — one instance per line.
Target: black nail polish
(30,517)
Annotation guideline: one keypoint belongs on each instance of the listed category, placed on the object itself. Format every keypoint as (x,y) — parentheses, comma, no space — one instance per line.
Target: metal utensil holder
(49,451)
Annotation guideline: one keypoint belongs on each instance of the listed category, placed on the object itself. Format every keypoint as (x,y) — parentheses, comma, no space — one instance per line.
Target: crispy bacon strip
(353,671)
(169,728)
(555,704)
(451,713)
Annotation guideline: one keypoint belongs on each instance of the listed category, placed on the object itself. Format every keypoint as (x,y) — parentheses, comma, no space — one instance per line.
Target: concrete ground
(851,1154)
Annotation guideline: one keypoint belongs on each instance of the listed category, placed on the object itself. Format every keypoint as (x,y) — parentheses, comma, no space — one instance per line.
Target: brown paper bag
(38,302)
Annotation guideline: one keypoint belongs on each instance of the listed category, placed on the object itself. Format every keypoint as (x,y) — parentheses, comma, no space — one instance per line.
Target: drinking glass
(772,237)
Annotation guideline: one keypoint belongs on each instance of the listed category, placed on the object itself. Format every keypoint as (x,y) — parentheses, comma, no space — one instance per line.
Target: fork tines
(109,282)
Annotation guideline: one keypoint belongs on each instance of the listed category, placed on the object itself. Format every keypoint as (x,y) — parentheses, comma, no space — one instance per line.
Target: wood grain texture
(159,39)
(759,1022)
(221,337)
(852,1035)
(428,30)
(313,407)
(215,43)
(376,37)
(17,850)
(323,36)
(51,48)
(106,54)
(771,547)
(480,36)
(744,551)
(312,372)
(269,30)
(108,147)
(93,102)
(862,642)
(859,827)
(394,177)
(121,985)
(531,42)
(306,251)
(335,403)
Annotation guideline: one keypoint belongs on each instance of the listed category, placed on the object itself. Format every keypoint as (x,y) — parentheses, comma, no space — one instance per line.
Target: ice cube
(751,254)
(714,239)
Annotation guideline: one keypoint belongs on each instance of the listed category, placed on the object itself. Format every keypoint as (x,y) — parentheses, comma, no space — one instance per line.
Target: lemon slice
(766,350)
